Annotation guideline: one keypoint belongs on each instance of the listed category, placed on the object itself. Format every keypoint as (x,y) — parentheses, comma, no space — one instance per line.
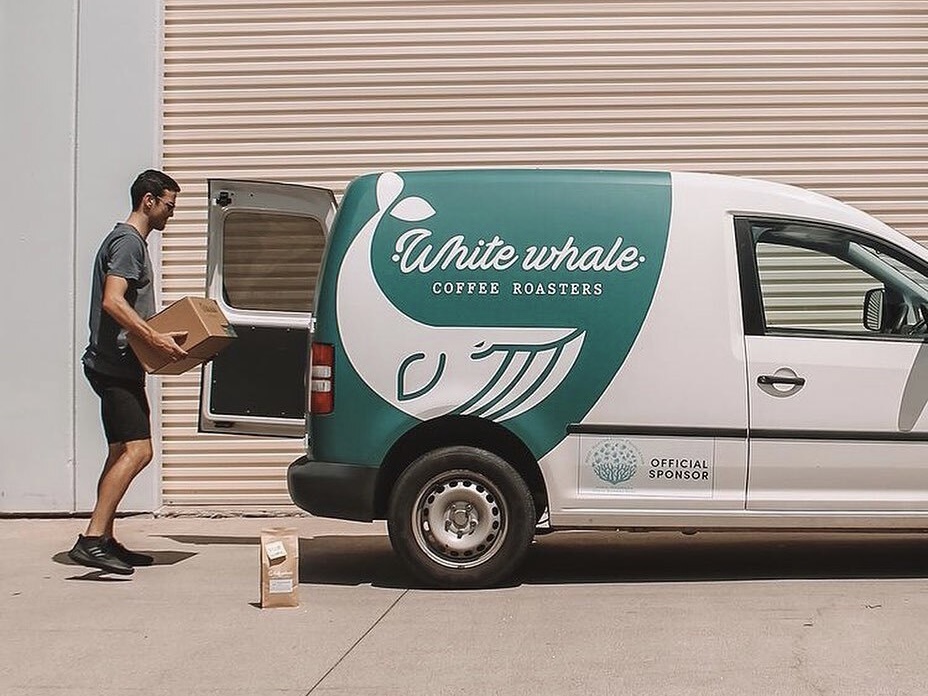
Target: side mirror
(873,309)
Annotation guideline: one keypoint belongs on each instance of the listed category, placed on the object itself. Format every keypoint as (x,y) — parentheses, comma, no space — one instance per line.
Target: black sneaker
(132,558)
(92,552)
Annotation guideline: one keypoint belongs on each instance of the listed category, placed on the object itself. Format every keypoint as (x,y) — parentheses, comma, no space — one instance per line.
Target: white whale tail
(526,376)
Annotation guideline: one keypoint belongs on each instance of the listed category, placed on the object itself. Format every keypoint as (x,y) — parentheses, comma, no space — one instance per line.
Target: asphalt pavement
(589,613)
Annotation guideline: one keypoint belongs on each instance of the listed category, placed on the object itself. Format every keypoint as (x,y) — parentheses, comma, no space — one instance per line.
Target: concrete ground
(590,613)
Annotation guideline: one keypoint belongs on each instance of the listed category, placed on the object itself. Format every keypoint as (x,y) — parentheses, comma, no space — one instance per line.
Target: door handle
(781,379)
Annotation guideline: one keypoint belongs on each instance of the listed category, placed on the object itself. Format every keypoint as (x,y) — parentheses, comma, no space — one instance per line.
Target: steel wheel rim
(459,519)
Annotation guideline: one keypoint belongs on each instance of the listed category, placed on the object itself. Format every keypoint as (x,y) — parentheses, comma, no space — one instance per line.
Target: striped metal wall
(830,95)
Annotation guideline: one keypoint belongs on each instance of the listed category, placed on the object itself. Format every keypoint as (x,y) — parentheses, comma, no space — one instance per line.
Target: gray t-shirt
(125,254)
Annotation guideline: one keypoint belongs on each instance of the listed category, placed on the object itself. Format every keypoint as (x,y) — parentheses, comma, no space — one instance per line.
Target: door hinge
(223,199)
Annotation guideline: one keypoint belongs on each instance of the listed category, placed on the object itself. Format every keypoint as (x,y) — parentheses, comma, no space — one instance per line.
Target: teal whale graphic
(508,295)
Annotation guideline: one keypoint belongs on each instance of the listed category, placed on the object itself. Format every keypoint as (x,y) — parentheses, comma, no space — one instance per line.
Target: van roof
(732,193)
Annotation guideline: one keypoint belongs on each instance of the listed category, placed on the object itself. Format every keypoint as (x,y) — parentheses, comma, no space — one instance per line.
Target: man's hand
(169,344)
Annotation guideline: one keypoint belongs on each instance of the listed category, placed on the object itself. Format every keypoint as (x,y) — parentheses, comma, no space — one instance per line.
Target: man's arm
(115,304)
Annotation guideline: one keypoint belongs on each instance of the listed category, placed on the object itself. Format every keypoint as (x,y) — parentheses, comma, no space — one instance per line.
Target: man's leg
(115,452)
(123,463)
(125,412)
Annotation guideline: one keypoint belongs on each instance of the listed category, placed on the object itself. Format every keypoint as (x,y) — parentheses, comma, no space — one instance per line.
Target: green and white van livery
(492,349)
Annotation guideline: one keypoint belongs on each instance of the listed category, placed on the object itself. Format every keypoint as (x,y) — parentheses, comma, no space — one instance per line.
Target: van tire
(461,517)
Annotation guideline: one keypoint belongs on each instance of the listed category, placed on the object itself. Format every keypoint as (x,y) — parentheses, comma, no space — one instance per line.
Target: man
(122,297)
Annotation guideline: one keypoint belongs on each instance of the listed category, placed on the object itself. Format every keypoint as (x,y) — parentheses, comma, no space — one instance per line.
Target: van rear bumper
(329,489)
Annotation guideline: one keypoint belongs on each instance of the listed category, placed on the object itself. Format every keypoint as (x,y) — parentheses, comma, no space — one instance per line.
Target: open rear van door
(265,245)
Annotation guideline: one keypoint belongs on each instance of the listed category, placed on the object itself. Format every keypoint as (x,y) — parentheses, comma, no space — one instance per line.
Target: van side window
(817,280)
(270,261)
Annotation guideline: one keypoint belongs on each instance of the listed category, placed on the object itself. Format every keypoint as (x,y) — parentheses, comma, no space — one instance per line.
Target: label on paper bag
(280,585)
(275,550)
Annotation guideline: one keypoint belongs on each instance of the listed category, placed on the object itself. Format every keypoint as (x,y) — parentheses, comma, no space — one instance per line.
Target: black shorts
(123,406)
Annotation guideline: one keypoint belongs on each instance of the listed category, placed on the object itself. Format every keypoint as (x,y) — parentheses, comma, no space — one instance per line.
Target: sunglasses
(169,204)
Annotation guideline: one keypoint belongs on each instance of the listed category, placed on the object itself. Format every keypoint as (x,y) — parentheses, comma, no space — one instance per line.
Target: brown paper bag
(280,567)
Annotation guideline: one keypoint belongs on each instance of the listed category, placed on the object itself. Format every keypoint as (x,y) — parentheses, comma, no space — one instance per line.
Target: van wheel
(461,517)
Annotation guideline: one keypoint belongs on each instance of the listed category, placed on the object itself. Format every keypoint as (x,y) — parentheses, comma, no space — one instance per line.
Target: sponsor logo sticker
(647,467)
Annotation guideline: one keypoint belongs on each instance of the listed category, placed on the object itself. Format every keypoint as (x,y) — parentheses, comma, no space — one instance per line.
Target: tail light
(322,381)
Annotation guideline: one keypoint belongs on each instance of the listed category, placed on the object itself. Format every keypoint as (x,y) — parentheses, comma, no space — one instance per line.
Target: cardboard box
(208,332)
(280,567)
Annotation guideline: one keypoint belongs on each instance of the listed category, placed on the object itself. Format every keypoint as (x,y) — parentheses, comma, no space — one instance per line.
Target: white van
(497,349)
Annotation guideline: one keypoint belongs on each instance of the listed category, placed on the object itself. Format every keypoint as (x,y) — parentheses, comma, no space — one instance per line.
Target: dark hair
(151,181)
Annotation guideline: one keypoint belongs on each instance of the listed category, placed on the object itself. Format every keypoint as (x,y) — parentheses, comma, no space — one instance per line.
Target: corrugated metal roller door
(829,95)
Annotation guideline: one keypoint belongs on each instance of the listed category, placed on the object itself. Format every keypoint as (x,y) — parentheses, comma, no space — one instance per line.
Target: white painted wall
(80,118)
(37,68)
(119,135)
